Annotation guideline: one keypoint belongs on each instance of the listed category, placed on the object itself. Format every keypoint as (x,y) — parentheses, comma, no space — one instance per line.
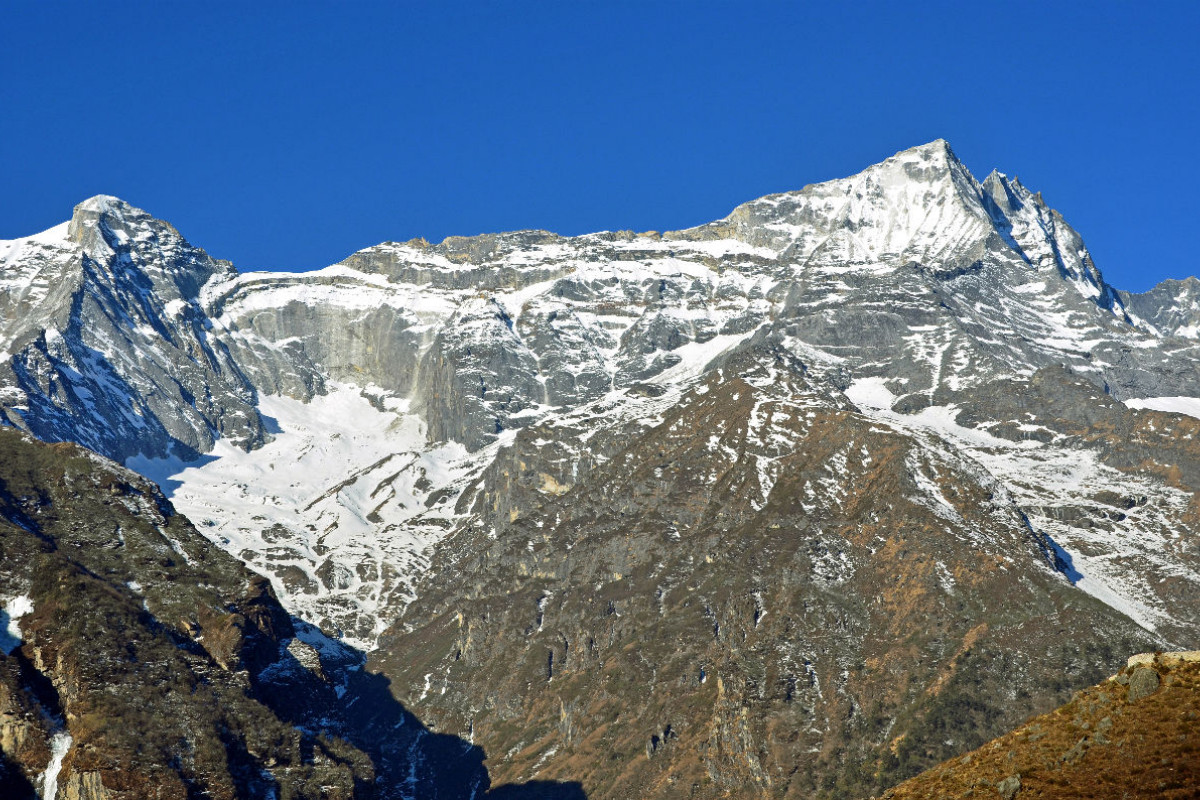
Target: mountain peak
(107,222)
(105,204)
(918,204)
(937,148)
(937,154)
(114,211)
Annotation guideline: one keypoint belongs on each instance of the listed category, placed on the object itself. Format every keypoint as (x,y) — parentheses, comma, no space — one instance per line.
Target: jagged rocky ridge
(429,421)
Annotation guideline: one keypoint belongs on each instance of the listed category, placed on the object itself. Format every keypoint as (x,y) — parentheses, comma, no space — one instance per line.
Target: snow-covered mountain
(914,388)
(324,426)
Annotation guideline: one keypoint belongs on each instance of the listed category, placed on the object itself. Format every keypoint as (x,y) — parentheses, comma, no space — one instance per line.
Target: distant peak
(998,178)
(102,203)
(923,161)
(1188,284)
(999,191)
(937,150)
(107,207)
(939,145)
(111,209)
(95,220)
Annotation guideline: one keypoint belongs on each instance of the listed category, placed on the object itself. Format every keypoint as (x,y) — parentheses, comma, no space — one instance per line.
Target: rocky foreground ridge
(1133,735)
(796,503)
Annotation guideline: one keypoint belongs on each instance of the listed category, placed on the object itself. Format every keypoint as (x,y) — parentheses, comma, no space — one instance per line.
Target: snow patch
(1177,405)
(870,393)
(10,634)
(60,745)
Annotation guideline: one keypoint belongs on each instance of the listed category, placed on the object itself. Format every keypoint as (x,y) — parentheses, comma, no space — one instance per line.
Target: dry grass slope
(1137,735)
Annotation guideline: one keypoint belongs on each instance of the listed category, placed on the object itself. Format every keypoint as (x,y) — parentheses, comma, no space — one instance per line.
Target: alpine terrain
(794,504)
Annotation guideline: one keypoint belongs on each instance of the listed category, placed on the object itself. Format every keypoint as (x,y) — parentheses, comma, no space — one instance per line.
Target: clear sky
(288,135)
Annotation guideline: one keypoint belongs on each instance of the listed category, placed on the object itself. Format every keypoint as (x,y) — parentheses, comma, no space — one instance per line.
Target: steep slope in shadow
(411,760)
(13,783)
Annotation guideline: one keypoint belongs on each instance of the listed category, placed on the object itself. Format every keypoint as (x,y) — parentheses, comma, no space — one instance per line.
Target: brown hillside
(1137,735)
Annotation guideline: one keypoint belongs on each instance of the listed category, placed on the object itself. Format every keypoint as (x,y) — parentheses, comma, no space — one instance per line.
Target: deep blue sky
(287,135)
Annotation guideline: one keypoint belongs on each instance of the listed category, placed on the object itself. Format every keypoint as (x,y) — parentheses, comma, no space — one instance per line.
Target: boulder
(1142,683)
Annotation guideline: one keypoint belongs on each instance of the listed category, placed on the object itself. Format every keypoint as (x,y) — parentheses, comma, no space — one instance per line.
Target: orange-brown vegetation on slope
(1137,735)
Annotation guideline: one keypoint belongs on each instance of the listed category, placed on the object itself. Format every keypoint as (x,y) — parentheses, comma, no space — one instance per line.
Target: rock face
(763,503)
(910,285)
(1172,307)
